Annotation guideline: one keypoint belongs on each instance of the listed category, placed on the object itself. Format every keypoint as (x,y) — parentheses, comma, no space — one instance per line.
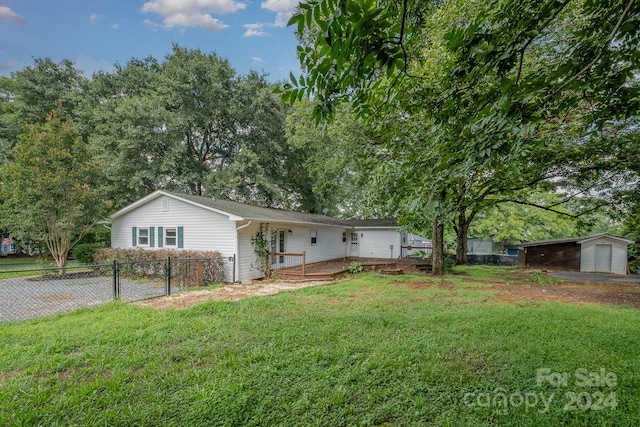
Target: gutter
(237,272)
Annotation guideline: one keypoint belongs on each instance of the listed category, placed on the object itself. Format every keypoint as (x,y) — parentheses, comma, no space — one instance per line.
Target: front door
(355,246)
(603,258)
(278,244)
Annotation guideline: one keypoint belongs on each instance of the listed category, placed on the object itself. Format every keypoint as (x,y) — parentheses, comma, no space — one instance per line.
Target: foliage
(476,99)
(631,229)
(49,190)
(98,234)
(338,162)
(139,263)
(84,252)
(262,244)
(449,261)
(191,124)
(545,279)
(362,352)
(355,267)
(510,223)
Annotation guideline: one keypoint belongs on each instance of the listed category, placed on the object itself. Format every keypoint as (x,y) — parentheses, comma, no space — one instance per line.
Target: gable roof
(372,223)
(604,235)
(241,211)
(577,240)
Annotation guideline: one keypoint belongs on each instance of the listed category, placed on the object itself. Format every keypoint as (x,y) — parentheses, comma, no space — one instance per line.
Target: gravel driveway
(632,279)
(25,298)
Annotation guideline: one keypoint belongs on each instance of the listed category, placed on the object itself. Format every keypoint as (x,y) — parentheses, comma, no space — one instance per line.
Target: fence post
(114,268)
(304,254)
(168,272)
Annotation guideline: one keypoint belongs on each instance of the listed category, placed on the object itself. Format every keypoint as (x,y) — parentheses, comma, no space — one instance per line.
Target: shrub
(84,252)
(185,265)
(355,267)
(449,261)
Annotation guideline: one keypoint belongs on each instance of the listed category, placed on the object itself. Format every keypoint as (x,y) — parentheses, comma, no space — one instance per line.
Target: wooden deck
(329,270)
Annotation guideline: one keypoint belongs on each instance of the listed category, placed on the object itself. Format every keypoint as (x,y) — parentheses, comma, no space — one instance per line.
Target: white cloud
(284,10)
(154,26)
(205,21)
(257,60)
(280,5)
(282,18)
(9,15)
(95,17)
(115,26)
(192,7)
(192,13)
(7,65)
(254,30)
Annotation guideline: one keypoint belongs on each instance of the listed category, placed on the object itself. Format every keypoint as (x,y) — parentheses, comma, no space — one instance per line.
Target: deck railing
(408,251)
(289,261)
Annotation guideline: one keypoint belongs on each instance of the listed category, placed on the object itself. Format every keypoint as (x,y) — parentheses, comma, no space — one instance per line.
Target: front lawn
(370,350)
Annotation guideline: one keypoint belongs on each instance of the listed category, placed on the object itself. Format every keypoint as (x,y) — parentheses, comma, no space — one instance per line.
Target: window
(165,204)
(344,237)
(354,238)
(171,237)
(314,237)
(143,236)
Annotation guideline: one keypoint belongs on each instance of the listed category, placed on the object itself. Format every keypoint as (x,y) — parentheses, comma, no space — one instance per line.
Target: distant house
(602,253)
(414,245)
(165,219)
(7,247)
(486,245)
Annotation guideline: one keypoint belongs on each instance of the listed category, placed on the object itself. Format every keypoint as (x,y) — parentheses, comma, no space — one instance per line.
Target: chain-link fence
(32,292)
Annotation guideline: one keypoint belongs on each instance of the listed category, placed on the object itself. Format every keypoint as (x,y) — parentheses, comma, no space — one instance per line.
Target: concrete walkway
(632,279)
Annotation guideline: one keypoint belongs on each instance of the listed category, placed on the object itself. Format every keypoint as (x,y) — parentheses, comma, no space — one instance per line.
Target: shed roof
(577,240)
(604,235)
(237,211)
(373,223)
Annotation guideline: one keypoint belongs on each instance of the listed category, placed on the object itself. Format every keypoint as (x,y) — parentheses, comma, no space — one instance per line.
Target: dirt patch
(567,292)
(414,285)
(230,292)
(574,292)
(55,297)
(6,376)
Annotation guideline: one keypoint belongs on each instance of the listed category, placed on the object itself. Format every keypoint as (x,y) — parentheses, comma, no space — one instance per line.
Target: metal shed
(603,253)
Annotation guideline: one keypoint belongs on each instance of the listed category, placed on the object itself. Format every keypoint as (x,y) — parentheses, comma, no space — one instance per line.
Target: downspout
(238,249)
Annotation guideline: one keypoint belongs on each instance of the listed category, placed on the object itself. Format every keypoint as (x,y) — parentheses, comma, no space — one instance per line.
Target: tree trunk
(437,255)
(462,230)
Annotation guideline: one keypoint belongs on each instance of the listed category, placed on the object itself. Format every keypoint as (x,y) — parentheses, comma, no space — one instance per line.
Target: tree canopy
(473,96)
(49,190)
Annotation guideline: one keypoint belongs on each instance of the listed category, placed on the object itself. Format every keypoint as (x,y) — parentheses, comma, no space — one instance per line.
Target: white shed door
(603,258)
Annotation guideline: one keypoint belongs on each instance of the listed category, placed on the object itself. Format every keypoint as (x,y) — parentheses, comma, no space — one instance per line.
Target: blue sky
(96,34)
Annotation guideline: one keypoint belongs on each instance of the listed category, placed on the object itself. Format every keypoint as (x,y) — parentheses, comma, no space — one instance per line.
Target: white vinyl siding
(588,261)
(329,245)
(203,230)
(375,243)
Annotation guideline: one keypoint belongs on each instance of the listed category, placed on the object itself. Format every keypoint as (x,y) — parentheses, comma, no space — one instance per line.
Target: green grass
(392,351)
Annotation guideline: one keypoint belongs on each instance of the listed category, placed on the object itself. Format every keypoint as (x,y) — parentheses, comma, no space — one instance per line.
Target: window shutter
(151,237)
(134,236)
(180,237)
(160,237)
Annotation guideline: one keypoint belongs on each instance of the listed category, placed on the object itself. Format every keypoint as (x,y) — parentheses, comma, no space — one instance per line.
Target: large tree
(49,190)
(471,85)
(191,124)
(338,160)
